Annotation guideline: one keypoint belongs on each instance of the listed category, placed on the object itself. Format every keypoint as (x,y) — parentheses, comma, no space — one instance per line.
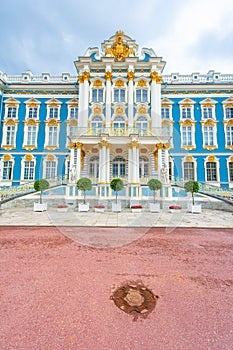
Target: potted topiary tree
(40,185)
(116,185)
(193,187)
(84,184)
(154,185)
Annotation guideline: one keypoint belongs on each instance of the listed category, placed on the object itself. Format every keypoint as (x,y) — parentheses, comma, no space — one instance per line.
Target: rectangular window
(119,95)
(32,112)
(229,112)
(141,95)
(7,170)
(229,135)
(186,113)
(50,170)
(28,170)
(11,112)
(187,136)
(165,112)
(208,135)
(53,113)
(211,171)
(53,136)
(230,165)
(188,171)
(207,113)
(97,95)
(31,136)
(74,113)
(10,135)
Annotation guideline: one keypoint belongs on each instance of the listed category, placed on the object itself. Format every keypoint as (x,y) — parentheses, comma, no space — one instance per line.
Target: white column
(107,164)
(130,98)
(80,107)
(78,165)
(160,163)
(101,168)
(108,77)
(156,100)
(85,99)
(130,164)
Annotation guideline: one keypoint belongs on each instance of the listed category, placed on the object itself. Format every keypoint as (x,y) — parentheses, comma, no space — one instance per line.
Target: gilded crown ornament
(119,50)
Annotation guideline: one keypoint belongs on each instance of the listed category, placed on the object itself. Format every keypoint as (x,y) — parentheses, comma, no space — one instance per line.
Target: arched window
(143,166)
(94,167)
(97,125)
(119,126)
(142,125)
(118,169)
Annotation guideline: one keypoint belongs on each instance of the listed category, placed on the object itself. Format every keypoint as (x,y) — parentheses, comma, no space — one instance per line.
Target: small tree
(191,186)
(84,184)
(116,185)
(41,185)
(154,185)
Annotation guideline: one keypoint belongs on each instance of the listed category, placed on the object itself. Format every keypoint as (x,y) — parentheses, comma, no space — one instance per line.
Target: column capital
(159,145)
(133,144)
(108,76)
(130,75)
(155,77)
(75,145)
(104,143)
(86,76)
(80,79)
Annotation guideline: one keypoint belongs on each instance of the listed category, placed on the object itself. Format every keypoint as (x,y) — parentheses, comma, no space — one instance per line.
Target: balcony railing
(77,131)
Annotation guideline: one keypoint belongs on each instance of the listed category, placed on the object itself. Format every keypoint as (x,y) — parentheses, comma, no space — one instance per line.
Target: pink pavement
(56,293)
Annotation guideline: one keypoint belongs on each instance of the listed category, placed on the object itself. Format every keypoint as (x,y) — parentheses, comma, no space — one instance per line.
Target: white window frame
(230,137)
(119,89)
(217,171)
(26,134)
(226,114)
(192,131)
(142,99)
(47,135)
(2,169)
(45,169)
(193,161)
(71,115)
(5,133)
(97,90)
(23,168)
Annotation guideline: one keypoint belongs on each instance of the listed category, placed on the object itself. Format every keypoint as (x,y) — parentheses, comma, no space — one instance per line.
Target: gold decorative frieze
(119,83)
(189,159)
(7,157)
(130,76)
(229,147)
(188,148)
(29,148)
(50,157)
(97,83)
(119,110)
(211,159)
(28,157)
(119,49)
(141,83)
(97,110)
(108,76)
(8,147)
(51,148)
(210,148)
(142,110)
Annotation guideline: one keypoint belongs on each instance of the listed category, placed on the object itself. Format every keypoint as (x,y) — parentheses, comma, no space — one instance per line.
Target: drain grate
(134,299)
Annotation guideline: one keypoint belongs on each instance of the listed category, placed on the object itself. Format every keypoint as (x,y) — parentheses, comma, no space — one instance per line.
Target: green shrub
(191,186)
(41,185)
(84,184)
(116,185)
(154,185)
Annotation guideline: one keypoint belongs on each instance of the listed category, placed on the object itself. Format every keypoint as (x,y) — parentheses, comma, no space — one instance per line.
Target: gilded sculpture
(119,50)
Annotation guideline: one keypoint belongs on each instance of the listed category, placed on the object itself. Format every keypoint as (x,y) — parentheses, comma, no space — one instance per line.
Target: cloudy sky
(48,35)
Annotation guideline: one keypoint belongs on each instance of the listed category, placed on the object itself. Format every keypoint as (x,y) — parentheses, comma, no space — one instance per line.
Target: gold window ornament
(141,83)
(119,83)
(7,157)
(28,157)
(97,83)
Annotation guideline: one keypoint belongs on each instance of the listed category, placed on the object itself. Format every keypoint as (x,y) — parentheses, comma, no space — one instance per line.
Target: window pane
(7,170)
(211,169)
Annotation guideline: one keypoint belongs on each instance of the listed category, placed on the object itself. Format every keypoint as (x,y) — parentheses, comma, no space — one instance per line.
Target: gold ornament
(97,83)
(108,75)
(130,75)
(119,50)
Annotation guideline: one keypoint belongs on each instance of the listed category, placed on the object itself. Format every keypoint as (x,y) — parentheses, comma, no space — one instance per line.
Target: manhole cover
(134,299)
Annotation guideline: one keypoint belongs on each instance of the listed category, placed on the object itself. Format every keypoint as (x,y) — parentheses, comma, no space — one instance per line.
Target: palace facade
(118,117)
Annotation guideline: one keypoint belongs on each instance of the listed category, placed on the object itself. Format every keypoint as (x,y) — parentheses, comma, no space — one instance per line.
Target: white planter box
(175,210)
(62,210)
(154,207)
(116,207)
(196,208)
(40,206)
(99,210)
(83,207)
(136,210)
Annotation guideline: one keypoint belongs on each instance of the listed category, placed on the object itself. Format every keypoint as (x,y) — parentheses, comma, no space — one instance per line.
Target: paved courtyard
(57,283)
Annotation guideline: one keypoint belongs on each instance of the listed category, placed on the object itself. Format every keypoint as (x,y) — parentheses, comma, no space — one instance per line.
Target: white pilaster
(85,102)
(156,100)
(108,77)
(130,98)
